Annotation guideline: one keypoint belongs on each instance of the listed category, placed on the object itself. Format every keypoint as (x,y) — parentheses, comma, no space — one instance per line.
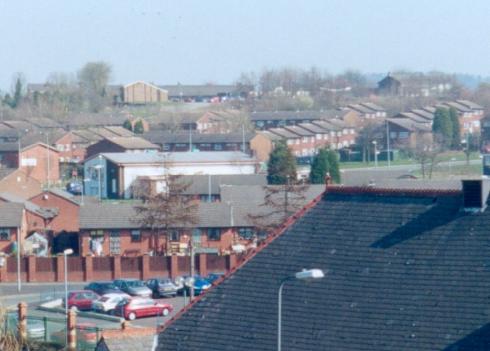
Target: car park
(199,283)
(137,307)
(133,287)
(108,302)
(81,299)
(103,288)
(162,287)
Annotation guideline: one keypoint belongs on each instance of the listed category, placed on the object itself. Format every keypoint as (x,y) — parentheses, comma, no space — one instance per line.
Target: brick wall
(68,212)
(80,269)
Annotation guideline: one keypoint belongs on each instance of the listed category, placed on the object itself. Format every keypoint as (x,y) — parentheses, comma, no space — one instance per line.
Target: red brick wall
(68,212)
(70,150)
(39,171)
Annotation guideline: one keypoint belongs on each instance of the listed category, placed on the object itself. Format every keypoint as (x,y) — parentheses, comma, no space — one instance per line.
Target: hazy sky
(196,41)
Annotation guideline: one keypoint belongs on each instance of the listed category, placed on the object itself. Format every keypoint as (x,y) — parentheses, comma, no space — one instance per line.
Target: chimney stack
(475,194)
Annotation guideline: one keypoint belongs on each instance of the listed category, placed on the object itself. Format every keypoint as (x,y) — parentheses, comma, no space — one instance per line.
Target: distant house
(121,144)
(275,119)
(12,224)
(250,143)
(413,84)
(140,92)
(368,110)
(114,174)
(40,162)
(406,132)
(205,93)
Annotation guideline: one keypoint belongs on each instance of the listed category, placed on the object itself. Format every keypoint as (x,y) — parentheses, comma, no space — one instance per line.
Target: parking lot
(36,294)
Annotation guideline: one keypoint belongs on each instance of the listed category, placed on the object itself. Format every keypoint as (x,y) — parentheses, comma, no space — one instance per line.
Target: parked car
(200,284)
(212,277)
(74,188)
(81,300)
(162,287)
(103,288)
(108,302)
(133,287)
(137,307)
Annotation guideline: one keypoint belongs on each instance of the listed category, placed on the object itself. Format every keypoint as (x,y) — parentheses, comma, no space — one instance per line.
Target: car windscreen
(135,283)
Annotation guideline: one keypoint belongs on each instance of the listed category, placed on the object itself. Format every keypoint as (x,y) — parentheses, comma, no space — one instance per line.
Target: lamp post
(66,252)
(375,154)
(309,274)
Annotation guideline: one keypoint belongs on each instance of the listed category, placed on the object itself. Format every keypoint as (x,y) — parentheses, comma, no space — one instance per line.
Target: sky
(198,41)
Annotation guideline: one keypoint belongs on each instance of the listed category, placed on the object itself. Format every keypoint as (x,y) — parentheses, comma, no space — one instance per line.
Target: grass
(453,172)
(443,157)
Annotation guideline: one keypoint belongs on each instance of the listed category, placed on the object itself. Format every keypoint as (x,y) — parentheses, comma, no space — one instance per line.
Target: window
(96,233)
(214,234)
(135,235)
(403,135)
(246,233)
(166,147)
(114,242)
(4,234)
(174,235)
(304,139)
(218,147)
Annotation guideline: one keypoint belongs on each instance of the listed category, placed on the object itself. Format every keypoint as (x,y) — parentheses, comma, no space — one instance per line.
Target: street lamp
(66,252)
(309,274)
(375,154)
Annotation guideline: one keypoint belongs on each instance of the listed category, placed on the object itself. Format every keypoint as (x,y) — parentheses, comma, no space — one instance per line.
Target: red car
(137,307)
(81,300)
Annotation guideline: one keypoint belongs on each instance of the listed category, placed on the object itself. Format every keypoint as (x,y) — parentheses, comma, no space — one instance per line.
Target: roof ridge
(367,190)
(270,238)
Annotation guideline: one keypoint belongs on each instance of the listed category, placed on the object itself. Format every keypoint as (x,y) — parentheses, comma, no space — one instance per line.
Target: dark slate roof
(410,124)
(199,184)
(11,214)
(405,270)
(133,142)
(299,131)
(9,147)
(470,104)
(166,137)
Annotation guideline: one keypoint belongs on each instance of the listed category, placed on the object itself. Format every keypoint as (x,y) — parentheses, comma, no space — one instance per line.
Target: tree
(14,99)
(442,127)
(280,202)
(165,210)
(138,127)
(425,153)
(456,132)
(326,161)
(281,165)
(93,79)
(127,124)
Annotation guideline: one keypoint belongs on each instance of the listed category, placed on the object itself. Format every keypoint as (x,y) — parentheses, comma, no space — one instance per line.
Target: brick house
(140,92)
(40,162)
(255,143)
(12,222)
(19,183)
(277,119)
(405,132)
(121,144)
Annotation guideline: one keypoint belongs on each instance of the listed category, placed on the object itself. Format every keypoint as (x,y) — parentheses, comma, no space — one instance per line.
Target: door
(115,243)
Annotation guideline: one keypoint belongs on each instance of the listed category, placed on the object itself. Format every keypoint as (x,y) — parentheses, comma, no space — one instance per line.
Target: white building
(112,174)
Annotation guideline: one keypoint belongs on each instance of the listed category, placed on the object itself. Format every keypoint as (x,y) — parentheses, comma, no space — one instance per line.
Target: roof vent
(475,194)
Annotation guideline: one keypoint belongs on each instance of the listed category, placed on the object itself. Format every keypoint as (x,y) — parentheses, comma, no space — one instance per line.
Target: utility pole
(193,268)
(243,138)
(388,155)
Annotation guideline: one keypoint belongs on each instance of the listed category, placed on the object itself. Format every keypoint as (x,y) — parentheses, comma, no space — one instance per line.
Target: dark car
(162,287)
(75,188)
(103,288)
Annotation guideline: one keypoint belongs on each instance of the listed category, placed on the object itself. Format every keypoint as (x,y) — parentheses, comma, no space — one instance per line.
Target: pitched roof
(405,270)
(11,214)
(132,142)
(29,206)
(287,115)
(470,104)
(9,147)
(409,124)
(166,137)
(126,342)
(284,133)
(299,131)
(200,184)
(199,90)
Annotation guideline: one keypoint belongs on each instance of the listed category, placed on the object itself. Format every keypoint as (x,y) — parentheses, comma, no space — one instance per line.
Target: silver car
(133,287)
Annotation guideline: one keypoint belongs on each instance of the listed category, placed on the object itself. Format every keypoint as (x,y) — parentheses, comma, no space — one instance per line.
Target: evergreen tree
(319,167)
(281,165)
(326,161)
(333,166)
(127,124)
(456,135)
(442,127)
(138,127)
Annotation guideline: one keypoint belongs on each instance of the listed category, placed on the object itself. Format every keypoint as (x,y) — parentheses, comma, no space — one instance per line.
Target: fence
(51,269)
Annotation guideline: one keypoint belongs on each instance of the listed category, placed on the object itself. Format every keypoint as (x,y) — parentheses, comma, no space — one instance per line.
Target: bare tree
(425,153)
(280,202)
(165,210)
(93,79)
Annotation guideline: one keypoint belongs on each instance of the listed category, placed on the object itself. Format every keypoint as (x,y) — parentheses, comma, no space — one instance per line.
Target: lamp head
(68,252)
(310,274)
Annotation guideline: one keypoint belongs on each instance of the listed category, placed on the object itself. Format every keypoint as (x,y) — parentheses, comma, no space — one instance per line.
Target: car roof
(114,295)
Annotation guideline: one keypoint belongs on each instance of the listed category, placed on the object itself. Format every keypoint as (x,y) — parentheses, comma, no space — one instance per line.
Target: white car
(108,302)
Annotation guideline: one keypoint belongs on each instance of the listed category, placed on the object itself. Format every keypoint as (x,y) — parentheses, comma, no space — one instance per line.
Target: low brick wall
(51,269)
